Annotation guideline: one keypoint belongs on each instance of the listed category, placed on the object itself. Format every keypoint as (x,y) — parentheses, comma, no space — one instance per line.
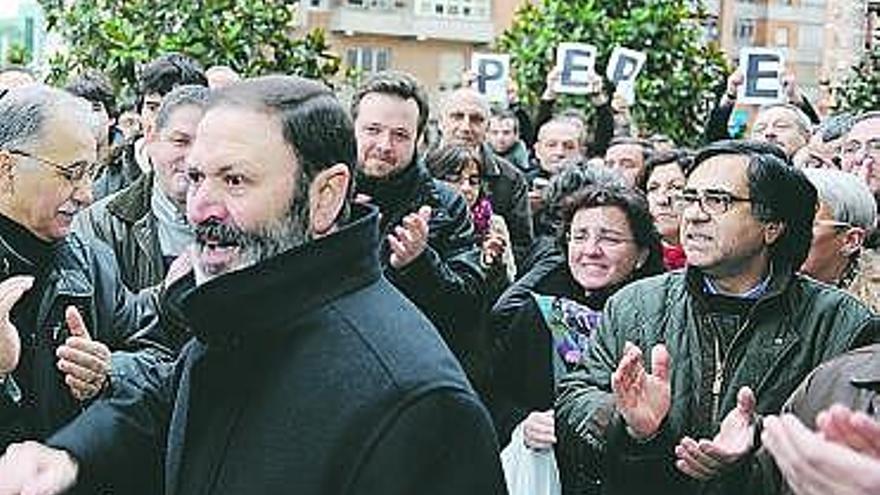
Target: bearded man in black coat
(309,373)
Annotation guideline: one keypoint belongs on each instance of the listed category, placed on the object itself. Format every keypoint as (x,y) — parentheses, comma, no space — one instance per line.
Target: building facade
(821,39)
(431,39)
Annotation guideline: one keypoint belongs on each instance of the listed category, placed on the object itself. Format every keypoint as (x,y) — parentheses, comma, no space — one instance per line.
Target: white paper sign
(763,68)
(625,65)
(492,71)
(576,61)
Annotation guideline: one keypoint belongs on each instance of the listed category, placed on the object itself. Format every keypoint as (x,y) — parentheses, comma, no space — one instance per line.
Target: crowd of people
(245,285)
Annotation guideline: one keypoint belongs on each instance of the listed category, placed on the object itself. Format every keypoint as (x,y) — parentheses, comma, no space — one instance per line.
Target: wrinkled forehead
(229,134)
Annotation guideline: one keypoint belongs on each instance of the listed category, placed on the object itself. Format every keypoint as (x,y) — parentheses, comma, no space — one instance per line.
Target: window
(368,59)
(468,9)
(29,34)
(744,30)
(374,4)
(781,37)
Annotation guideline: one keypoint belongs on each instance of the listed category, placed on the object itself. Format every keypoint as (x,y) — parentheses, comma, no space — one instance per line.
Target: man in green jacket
(737,329)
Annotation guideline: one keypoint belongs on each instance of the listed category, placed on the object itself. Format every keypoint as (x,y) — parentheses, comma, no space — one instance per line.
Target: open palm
(642,399)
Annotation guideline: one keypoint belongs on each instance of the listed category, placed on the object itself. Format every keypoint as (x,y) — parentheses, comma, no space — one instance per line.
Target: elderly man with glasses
(846,214)
(733,334)
(62,306)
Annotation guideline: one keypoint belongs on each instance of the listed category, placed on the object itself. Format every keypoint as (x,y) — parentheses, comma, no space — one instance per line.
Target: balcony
(398,18)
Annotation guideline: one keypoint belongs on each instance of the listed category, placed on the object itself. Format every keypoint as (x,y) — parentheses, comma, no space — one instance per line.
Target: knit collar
(393,193)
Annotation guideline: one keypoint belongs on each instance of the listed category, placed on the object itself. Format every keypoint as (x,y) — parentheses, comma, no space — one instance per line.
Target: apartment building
(821,39)
(432,39)
(22,26)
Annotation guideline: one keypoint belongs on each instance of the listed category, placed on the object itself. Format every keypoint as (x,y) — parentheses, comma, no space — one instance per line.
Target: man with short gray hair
(784,125)
(62,306)
(145,223)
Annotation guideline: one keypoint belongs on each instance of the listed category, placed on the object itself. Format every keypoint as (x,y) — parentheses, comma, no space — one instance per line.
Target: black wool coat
(309,374)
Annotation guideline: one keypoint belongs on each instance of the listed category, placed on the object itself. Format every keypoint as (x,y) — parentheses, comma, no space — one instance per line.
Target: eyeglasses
(711,202)
(831,223)
(870,146)
(602,238)
(73,173)
(473,180)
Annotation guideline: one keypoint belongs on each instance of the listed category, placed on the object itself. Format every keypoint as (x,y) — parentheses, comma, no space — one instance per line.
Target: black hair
(683,158)
(450,159)
(167,72)
(95,87)
(505,114)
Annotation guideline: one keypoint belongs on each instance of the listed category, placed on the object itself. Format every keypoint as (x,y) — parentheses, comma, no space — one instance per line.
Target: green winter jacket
(796,325)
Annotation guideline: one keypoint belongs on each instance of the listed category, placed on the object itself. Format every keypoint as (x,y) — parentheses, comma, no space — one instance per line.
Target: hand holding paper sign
(575,62)
(762,68)
(492,72)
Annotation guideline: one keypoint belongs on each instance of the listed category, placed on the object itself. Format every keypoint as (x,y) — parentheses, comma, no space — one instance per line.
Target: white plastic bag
(527,471)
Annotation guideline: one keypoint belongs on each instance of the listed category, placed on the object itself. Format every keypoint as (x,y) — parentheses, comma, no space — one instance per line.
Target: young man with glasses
(736,331)
(62,307)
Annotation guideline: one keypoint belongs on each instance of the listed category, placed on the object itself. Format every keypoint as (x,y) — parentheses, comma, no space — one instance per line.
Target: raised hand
(812,465)
(410,238)
(641,398)
(84,362)
(855,430)
(706,459)
(11,291)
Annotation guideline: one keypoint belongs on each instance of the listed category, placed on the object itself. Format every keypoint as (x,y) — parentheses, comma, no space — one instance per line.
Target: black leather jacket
(446,282)
(35,400)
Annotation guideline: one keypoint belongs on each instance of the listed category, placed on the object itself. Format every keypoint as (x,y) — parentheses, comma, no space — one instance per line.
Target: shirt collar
(752,294)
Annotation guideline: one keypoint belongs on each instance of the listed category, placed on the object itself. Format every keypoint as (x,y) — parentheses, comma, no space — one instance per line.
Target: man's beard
(255,246)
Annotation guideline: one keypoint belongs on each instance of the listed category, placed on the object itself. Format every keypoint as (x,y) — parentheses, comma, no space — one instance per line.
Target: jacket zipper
(720,368)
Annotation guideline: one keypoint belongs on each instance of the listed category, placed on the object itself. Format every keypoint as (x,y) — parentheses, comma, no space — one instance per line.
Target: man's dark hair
(94,87)
(505,114)
(315,125)
(398,84)
(779,193)
(167,72)
(638,216)
(683,158)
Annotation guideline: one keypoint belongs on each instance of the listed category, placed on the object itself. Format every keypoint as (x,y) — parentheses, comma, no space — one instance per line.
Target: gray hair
(801,119)
(835,126)
(26,110)
(846,195)
(186,95)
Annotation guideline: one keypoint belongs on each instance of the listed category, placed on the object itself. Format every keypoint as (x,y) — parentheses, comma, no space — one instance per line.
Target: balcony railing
(398,18)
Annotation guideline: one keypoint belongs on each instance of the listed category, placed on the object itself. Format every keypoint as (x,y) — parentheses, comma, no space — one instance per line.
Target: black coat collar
(263,300)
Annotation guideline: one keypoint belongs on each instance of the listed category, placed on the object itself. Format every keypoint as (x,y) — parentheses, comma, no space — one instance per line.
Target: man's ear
(327,196)
(772,232)
(853,239)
